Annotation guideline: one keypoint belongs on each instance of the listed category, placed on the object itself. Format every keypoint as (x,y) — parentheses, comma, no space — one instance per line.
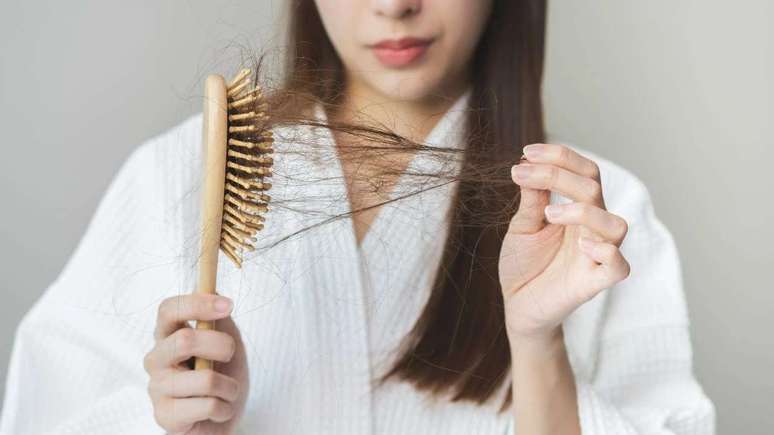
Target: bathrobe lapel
(403,247)
(344,317)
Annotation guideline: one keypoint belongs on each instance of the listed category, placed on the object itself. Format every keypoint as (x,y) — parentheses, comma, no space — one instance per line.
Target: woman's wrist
(543,385)
(540,346)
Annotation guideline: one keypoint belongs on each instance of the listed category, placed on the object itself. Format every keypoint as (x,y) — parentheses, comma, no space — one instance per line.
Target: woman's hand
(187,401)
(548,269)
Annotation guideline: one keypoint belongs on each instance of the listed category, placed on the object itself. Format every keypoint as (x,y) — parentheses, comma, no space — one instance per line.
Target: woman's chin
(406,87)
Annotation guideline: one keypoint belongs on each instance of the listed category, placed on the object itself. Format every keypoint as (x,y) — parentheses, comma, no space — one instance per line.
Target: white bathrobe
(320,316)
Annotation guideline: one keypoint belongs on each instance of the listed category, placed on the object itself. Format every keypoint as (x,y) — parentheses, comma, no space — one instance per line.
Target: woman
(402,289)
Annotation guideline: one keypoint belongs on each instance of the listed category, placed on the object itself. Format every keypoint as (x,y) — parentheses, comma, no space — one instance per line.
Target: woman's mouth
(400,52)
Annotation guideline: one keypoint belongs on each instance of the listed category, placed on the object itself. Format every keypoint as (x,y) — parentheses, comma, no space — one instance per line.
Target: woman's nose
(397,8)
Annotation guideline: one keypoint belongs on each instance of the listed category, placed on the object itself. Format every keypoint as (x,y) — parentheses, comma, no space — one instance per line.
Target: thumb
(530,217)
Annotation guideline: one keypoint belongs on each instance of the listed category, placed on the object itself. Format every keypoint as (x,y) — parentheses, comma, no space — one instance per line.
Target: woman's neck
(412,119)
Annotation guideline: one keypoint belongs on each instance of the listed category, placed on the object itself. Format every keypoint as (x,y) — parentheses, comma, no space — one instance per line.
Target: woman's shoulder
(178,145)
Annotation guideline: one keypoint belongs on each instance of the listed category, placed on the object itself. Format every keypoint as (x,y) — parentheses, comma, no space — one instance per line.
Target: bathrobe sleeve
(643,382)
(77,359)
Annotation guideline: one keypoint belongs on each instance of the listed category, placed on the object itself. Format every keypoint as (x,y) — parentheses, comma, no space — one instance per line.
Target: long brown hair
(459,344)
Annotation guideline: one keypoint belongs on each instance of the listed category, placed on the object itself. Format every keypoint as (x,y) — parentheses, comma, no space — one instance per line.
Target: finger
(610,227)
(562,181)
(563,157)
(529,217)
(613,266)
(175,311)
(179,415)
(188,342)
(188,383)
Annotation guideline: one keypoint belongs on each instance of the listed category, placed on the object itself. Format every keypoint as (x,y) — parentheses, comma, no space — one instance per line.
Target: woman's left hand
(548,269)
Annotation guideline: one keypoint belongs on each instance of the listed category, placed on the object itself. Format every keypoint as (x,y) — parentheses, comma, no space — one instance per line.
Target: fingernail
(553,211)
(532,151)
(521,171)
(223,305)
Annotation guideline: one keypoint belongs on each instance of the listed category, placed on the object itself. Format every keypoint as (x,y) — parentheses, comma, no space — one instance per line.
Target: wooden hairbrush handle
(214,140)
(237,160)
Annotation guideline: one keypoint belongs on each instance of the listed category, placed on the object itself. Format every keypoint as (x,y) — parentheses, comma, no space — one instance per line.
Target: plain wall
(679,92)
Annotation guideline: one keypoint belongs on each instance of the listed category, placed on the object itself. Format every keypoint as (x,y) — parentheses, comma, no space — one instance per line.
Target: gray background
(679,92)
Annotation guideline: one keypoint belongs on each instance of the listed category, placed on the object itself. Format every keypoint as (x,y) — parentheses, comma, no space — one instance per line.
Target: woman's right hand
(187,401)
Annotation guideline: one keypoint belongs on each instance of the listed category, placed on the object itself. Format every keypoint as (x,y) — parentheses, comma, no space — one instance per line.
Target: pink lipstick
(400,52)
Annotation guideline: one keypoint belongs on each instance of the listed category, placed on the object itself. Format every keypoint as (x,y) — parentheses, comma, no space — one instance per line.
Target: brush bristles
(248,163)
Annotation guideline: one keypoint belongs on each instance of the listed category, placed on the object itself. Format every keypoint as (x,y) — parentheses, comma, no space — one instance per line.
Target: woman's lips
(401,52)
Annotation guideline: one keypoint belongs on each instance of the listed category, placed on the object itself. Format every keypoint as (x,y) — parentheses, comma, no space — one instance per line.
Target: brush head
(249,160)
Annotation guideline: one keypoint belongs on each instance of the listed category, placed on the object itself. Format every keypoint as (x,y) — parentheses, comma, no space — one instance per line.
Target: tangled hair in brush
(458,347)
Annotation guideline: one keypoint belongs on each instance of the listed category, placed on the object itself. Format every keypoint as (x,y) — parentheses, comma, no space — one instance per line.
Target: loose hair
(459,344)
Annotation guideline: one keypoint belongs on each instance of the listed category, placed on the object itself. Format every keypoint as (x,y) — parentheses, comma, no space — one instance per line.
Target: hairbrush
(237,160)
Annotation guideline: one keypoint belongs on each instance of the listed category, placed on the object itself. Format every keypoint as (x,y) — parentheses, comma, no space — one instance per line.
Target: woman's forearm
(544,396)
